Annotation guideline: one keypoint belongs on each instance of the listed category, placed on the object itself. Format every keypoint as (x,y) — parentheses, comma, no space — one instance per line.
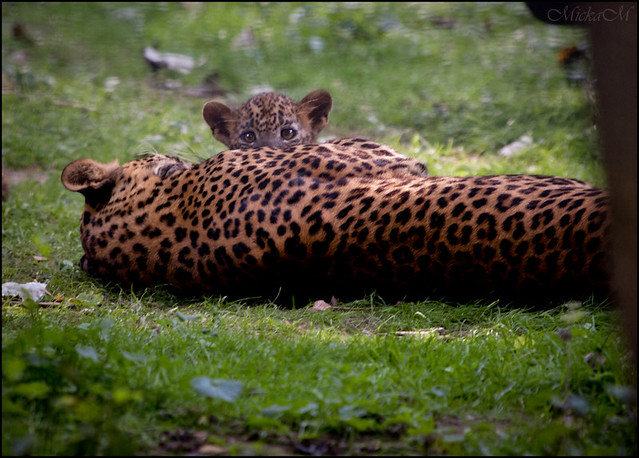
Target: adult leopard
(316,222)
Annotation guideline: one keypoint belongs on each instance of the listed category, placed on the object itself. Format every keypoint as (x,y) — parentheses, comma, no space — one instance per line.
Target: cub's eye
(287,134)
(248,136)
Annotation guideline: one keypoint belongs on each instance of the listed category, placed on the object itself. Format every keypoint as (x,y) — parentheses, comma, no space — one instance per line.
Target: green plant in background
(95,369)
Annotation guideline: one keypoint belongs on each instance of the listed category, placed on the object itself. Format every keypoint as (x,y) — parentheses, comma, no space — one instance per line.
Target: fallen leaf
(595,360)
(564,334)
(227,390)
(444,22)
(172,61)
(185,317)
(32,290)
(87,352)
(246,39)
(211,449)
(20,33)
(423,332)
(519,145)
(321,305)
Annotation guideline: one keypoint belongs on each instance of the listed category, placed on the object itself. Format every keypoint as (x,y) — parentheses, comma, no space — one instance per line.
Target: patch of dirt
(12,177)
(202,443)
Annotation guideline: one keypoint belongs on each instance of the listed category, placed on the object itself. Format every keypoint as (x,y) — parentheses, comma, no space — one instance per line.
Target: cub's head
(269,119)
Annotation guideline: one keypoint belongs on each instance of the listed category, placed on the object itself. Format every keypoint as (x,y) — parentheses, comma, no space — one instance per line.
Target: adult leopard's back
(244,223)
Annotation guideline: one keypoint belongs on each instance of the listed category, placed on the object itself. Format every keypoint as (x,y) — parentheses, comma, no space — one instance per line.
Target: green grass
(102,370)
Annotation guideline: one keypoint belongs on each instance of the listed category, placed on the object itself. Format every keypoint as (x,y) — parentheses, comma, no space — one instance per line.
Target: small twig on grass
(41,304)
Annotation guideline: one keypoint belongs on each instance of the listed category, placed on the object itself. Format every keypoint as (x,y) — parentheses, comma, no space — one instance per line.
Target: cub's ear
(314,109)
(221,119)
(85,175)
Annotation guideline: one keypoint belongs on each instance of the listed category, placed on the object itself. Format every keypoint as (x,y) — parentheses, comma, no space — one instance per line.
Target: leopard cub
(269,119)
(275,121)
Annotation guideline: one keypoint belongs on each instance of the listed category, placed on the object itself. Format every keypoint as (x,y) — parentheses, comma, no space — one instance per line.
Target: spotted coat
(316,221)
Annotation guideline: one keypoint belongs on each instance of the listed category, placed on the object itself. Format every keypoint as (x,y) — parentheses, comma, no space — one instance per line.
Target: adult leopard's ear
(221,119)
(314,109)
(89,177)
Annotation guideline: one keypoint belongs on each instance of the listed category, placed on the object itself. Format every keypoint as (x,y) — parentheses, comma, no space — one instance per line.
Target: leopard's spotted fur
(314,220)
